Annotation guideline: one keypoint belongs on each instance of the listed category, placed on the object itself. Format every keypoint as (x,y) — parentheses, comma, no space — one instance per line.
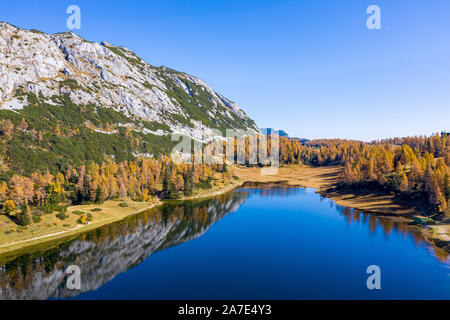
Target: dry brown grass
(322,178)
(295,175)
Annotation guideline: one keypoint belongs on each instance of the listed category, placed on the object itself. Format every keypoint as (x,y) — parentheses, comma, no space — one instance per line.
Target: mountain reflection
(111,250)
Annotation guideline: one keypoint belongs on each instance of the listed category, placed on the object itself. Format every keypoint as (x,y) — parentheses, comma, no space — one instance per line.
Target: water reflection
(270,192)
(389,226)
(354,216)
(108,251)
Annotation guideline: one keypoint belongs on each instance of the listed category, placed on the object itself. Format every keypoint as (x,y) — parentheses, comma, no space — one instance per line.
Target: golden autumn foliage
(418,167)
(9,206)
(141,180)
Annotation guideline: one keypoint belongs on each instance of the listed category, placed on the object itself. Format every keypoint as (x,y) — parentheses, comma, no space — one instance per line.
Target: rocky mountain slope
(107,89)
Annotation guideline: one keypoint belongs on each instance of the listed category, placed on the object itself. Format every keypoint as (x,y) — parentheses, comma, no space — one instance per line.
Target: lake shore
(111,212)
(324,178)
(319,178)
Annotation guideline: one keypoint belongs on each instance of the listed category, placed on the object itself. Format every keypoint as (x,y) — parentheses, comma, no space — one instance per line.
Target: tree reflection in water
(110,250)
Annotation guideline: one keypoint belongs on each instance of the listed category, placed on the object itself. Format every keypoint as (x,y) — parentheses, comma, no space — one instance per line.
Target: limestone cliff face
(103,254)
(110,76)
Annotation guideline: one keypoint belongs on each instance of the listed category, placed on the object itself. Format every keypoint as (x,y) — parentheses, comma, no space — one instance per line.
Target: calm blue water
(250,244)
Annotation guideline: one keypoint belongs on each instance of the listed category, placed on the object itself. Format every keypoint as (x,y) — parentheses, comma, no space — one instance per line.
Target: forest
(143,180)
(414,168)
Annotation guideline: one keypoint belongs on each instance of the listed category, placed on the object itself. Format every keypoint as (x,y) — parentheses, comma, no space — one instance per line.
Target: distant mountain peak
(269,131)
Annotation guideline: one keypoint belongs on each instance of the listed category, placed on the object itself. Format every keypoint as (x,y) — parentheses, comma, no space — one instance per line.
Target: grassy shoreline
(111,212)
(320,178)
(78,228)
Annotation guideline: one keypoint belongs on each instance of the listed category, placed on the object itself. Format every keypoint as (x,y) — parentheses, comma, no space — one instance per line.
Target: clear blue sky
(309,67)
